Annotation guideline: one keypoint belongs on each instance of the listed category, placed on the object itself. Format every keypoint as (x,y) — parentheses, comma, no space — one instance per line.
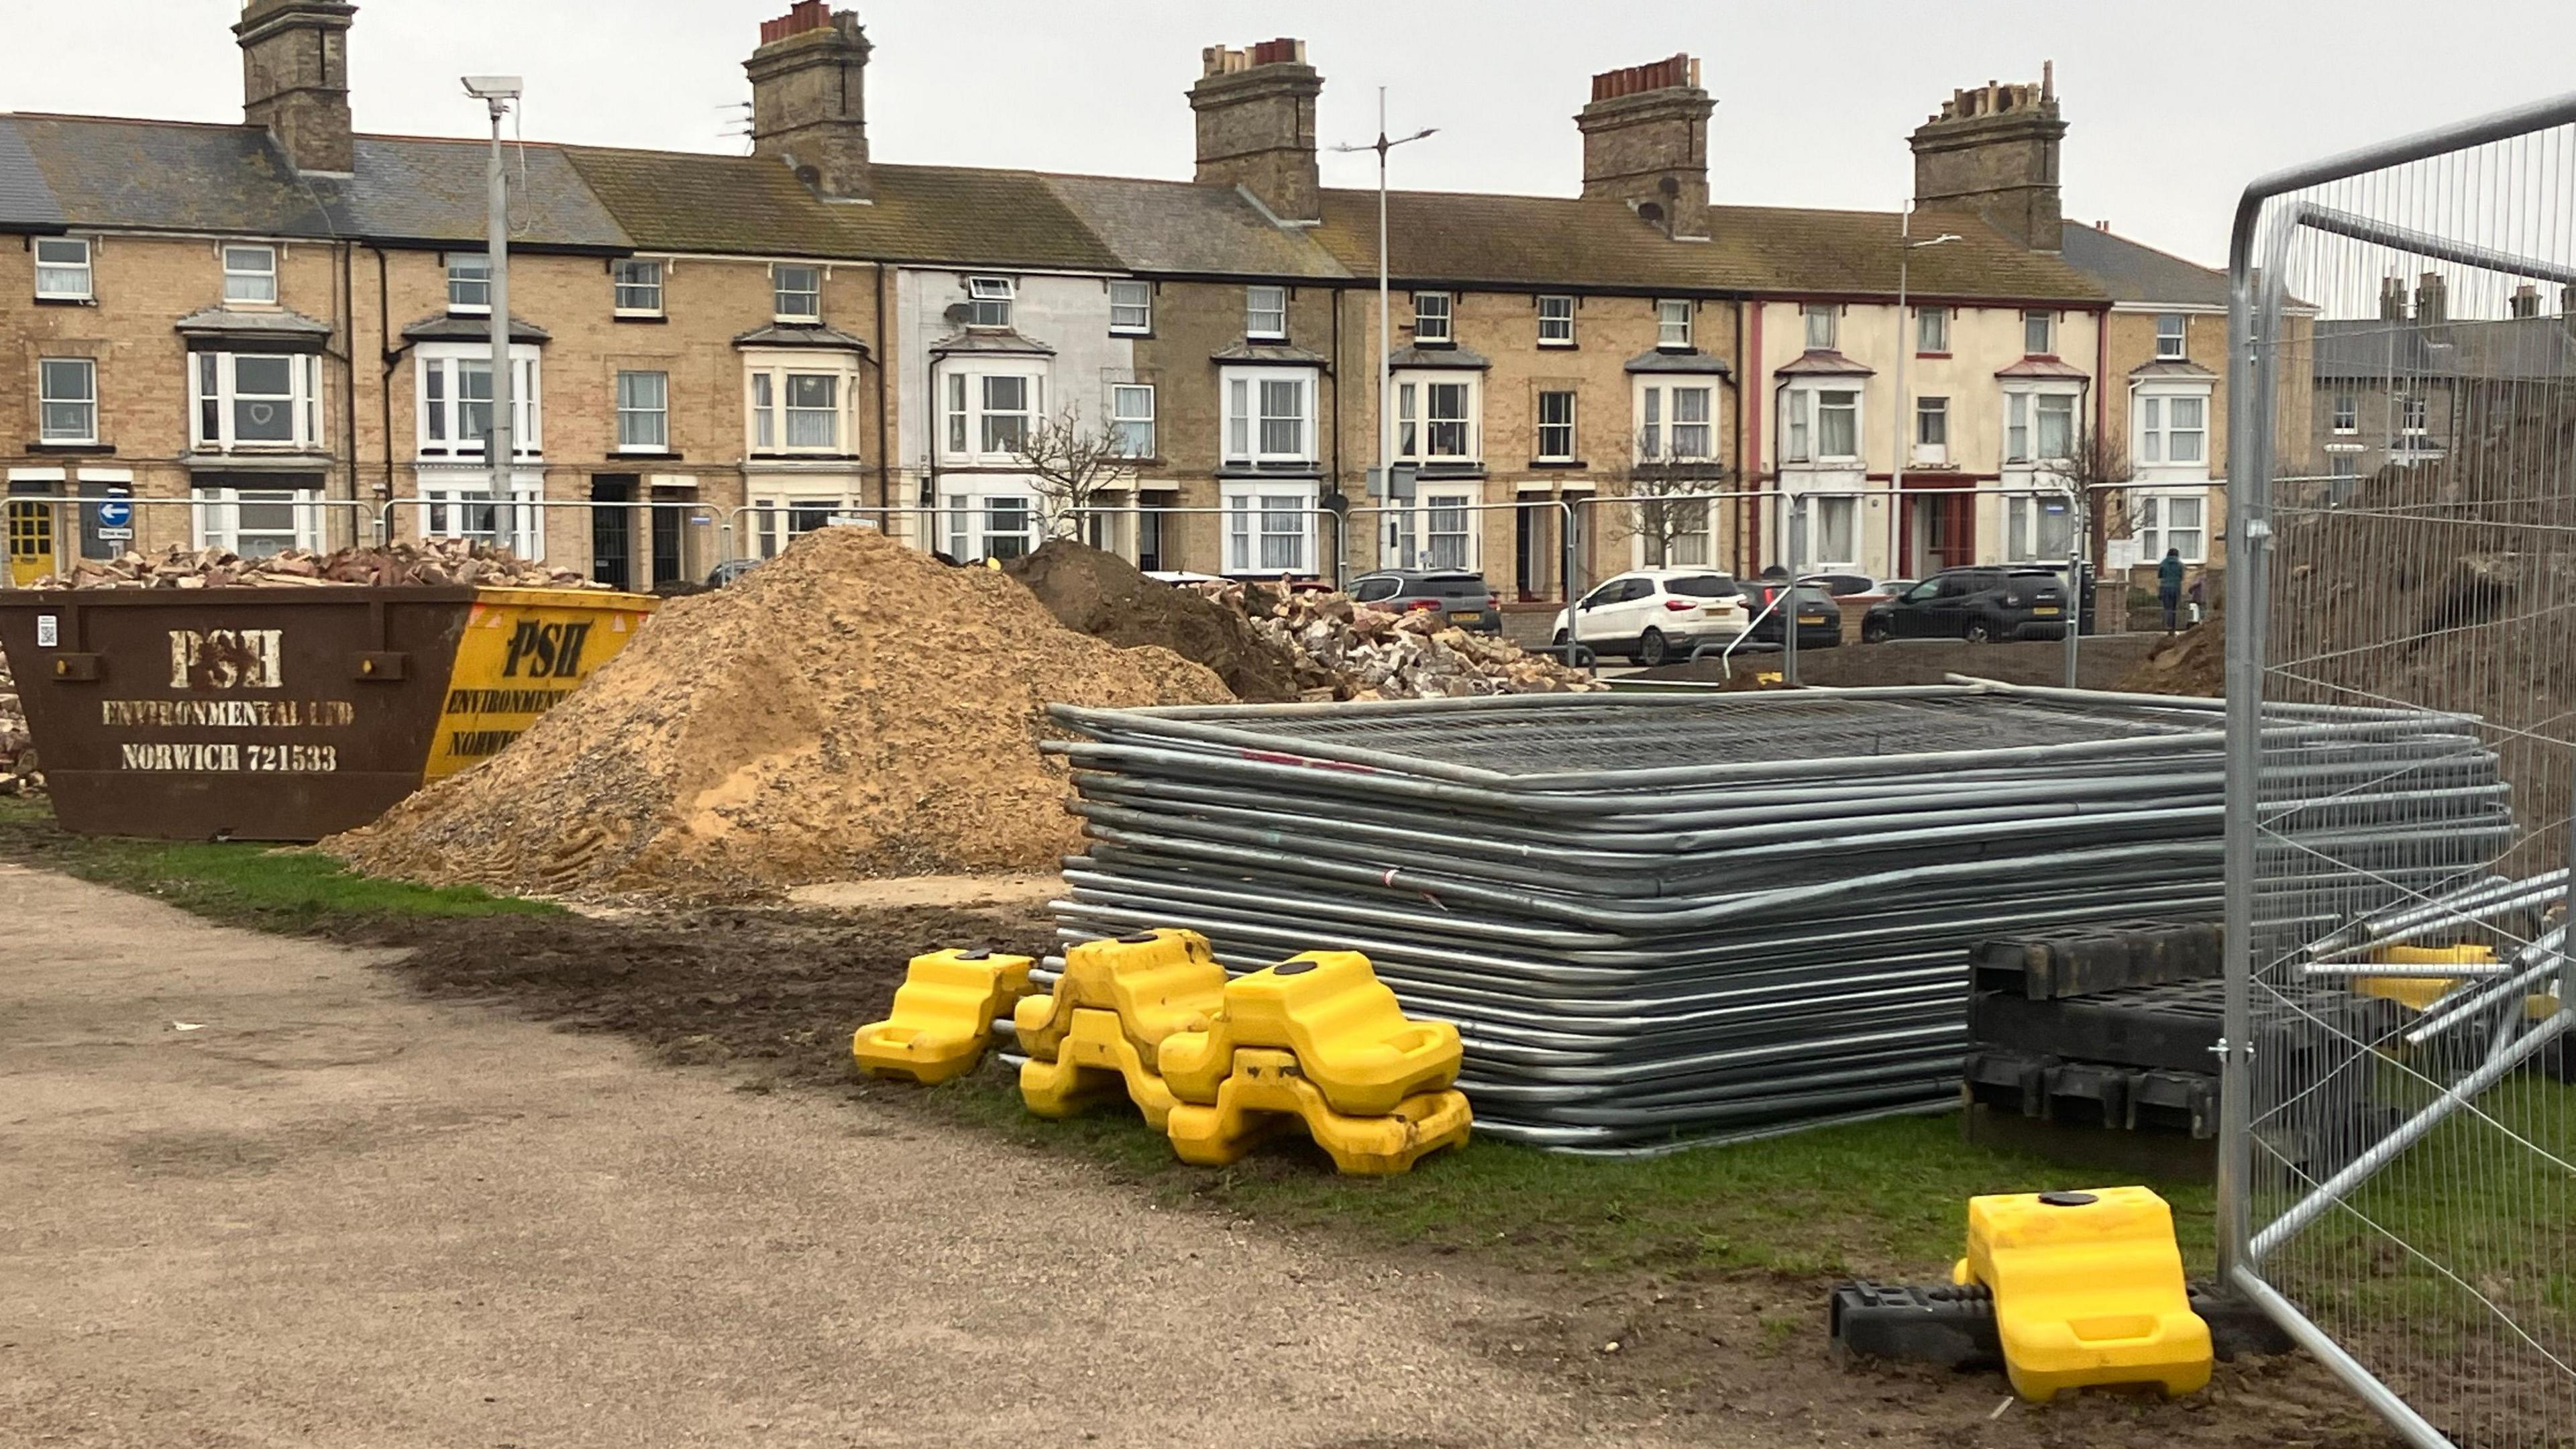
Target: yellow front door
(31,540)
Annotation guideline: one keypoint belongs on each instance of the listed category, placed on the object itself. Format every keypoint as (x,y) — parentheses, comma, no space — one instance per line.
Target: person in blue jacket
(2169,587)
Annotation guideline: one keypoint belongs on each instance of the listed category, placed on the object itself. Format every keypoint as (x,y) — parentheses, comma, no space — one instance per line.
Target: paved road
(253,1194)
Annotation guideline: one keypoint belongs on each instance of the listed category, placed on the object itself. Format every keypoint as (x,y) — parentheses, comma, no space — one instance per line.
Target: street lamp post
(500,440)
(1386,339)
(1906,246)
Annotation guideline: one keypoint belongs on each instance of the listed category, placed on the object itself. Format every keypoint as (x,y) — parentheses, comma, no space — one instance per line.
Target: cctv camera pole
(1385,339)
(501,439)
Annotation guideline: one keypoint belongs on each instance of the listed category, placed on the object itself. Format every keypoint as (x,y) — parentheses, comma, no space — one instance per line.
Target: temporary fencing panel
(2403,542)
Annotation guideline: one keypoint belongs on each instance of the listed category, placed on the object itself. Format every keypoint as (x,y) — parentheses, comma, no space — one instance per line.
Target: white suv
(1655,615)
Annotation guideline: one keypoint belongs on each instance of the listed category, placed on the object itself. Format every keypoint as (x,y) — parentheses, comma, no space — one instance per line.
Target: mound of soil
(851,708)
(1106,597)
(2193,662)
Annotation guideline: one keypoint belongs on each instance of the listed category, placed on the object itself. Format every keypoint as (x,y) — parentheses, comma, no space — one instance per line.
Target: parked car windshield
(1703,586)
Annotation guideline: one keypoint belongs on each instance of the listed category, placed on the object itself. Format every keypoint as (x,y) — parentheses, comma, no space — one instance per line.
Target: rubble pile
(1347,650)
(1106,597)
(851,708)
(426,561)
(18,772)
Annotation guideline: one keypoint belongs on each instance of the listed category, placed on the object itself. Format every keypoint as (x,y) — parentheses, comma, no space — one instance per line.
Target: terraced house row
(264,332)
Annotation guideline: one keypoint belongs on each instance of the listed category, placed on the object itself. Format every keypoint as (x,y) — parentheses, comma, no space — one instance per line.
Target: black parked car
(1820,619)
(1975,604)
(1462,598)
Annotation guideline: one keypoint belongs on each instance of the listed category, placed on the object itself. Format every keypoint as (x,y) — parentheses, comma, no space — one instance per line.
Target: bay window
(988,415)
(800,402)
(1269,415)
(1448,539)
(2039,427)
(256,522)
(468,510)
(1435,420)
(785,510)
(1269,527)
(1676,422)
(2173,430)
(1823,425)
(258,400)
(455,400)
(2177,521)
(1833,534)
(999,522)
(2039,529)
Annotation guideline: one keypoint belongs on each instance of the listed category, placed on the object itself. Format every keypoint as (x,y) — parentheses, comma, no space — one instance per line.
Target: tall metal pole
(501,439)
(1896,408)
(1385,336)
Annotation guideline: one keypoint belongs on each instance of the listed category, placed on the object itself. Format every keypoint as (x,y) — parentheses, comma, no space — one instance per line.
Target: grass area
(259,886)
(1876,1199)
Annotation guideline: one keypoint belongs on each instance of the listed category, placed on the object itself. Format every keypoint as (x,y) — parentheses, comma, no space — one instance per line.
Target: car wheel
(1653,649)
(1562,639)
(1874,631)
(1979,631)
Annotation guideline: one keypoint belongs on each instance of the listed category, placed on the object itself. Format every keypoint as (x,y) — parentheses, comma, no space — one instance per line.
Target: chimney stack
(1993,150)
(2392,298)
(1256,125)
(2525,303)
(295,80)
(809,97)
(1645,142)
(2432,299)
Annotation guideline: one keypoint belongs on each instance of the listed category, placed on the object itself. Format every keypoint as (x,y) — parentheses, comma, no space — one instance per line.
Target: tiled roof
(447,327)
(416,190)
(26,202)
(1822,362)
(1003,341)
(1782,251)
(1458,358)
(167,176)
(1658,359)
(227,322)
(1283,354)
(1185,228)
(2170,367)
(2130,272)
(786,334)
(2042,367)
(2524,349)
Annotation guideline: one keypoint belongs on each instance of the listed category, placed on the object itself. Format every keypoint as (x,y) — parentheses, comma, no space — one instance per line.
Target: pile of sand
(1105,596)
(851,708)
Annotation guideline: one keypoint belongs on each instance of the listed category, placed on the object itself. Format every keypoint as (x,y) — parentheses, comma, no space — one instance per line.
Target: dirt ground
(2101,662)
(256,1191)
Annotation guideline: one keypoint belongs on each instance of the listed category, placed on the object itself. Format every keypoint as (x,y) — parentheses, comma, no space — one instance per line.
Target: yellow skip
(943,1015)
(2088,1290)
(1266,1092)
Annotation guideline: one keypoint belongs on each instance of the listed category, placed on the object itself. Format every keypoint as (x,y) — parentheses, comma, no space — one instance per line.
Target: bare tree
(2102,510)
(1071,466)
(1669,497)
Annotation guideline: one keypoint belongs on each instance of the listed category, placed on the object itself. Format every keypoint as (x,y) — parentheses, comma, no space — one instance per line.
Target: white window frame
(2024,515)
(1434,317)
(2021,419)
(1673,319)
(1931,454)
(462,506)
(2158,428)
(47,399)
(631,281)
(2046,322)
(1820,512)
(767,389)
(966,419)
(1250,533)
(1802,433)
(1932,331)
(632,408)
(1556,321)
(1131,418)
(439,408)
(1568,426)
(2154,530)
(2344,415)
(215,519)
(1131,309)
(781,295)
(1660,407)
(1822,326)
(970,514)
(1244,394)
(1692,547)
(989,301)
(64,274)
(250,273)
(2180,337)
(466,271)
(1444,519)
(785,509)
(1261,303)
(214,378)
(1415,393)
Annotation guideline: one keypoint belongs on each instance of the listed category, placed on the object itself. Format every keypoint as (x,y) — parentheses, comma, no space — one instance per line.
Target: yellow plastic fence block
(1266,1091)
(1351,1038)
(1157,982)
(2416,993)
(1093,1063)
(943,1015)
(2088,1290)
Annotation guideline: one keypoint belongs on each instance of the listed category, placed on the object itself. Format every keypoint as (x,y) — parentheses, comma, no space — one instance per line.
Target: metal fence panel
(2404,535)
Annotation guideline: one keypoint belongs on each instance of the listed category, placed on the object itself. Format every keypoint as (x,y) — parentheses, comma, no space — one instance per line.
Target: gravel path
(253,1193)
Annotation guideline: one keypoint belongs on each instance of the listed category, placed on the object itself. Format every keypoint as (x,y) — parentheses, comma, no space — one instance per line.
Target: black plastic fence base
(1954,1328)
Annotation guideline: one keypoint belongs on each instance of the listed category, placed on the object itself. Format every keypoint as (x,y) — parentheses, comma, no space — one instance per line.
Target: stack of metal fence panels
(1665,919)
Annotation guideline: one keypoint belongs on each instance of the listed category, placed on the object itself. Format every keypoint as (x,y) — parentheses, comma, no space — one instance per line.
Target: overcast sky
(2173,106)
